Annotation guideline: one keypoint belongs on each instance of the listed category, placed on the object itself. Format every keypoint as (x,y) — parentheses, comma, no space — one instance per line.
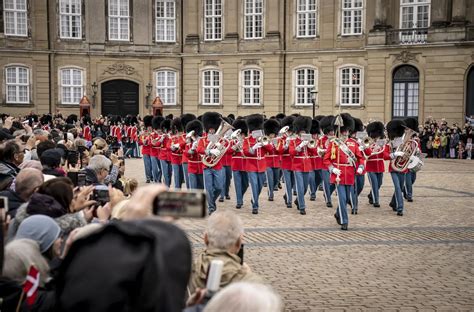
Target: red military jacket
(132,133)
(273,157)
(164,152)
(334,157)
(176,156)
(86,133)
(286,159)
(323,144)
(144,141)
(255,162)
(201,149)
(351,139)
(301,160)
(155,149)
(376,161)
(182,146)
(238,159)
(316,160)
(194,159)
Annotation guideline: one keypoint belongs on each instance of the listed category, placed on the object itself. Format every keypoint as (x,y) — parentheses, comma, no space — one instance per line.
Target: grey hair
(224,229)
(99,162)
(26,181)
(20,255)
(243,297)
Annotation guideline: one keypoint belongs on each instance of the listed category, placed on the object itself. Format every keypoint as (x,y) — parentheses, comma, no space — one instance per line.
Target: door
(119,97)
(470,93)
(405,95)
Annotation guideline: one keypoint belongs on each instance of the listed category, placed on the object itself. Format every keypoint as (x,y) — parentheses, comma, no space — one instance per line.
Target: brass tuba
(408,147)
(220,143)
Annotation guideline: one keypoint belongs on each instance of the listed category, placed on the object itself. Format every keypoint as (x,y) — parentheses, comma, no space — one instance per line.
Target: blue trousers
(315,179)
(148,167)
(410,179)
(273,175)
(156,169)
(213,183)
(344,193)
(301,183)
(227,179)
(241,184)
(256,180)
(196,181)
(289,179)
(177,175)
(398,180)
(186,174)
(327,187)
(375,180)
(166,172)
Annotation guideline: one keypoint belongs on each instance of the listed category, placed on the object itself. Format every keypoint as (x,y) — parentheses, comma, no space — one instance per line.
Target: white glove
(194,146)
(360,170)
(303,144)
(336,171)
(215,152)
(361,148)
(397,154)
(257,145)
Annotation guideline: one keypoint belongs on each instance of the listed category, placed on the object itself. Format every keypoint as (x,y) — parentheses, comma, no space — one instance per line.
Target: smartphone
(184,204)
(101,195)
(241,254)
(4,203)
(77,178)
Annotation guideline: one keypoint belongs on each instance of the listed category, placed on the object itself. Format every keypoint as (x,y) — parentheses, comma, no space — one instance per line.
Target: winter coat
(14,201)
(10,292)
(8,172)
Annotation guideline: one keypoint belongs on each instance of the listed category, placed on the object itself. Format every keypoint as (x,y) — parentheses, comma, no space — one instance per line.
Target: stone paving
(421,261)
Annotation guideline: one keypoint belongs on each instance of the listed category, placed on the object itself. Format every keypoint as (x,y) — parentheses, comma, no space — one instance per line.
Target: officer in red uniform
(326,125)
(226,166)
(241,179)
(176,147)
(185,119)
(359,180)
(315,176)
(86,128)
(271,128)
(155,149)
(343,158)
(164,155)
(145,142)
(194,163)
(286,159)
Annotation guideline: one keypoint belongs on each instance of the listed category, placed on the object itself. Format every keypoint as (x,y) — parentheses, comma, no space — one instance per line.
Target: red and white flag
(30,288)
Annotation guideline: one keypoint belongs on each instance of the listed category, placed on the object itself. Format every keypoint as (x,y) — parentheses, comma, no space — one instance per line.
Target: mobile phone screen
(188,204)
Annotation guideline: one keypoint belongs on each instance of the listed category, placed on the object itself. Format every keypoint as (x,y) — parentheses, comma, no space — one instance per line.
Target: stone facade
(443,59)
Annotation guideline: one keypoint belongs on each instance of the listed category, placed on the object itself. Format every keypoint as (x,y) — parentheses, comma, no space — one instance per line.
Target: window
(251,87)
(70,19)
(166,86)
(165,22)
(306,18)
(72,85)
(212,20)
(15,16)
(211,87)
(17,84)
(350,86)
(414,14)
(405,92)
(119,20)
(304,83)
(253,14)
(352,17)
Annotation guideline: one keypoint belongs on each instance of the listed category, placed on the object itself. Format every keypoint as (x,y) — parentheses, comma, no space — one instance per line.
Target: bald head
(27,181)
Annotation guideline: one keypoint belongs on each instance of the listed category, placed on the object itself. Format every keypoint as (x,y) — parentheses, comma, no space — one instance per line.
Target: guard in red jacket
(271,128)
(412,123)
(176,147)
(185,119)
(286,159)
(145,142)
(156,149)
(194,158)
(164,155)
(241,180)
(343,159)
(226,166)
(315,176)
(326,125)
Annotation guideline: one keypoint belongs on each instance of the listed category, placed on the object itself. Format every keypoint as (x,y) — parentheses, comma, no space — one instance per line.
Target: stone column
(459,12)
(191,20)
(230,15)
(381,9)
(439,13)
(272,16)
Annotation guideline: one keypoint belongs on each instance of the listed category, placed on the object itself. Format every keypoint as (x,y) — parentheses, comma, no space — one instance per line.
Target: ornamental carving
(120,68)
(211,63)
(406,56)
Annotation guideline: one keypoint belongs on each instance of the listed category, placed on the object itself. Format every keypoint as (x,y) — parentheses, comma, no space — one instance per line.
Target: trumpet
(263,139)
(190,137)
(283,131)
(312,143)
(367,142)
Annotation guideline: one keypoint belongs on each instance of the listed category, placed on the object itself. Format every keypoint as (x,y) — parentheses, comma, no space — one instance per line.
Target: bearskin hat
(412,123)
(211,120)
(280,116)
(185,118)
(271,126)
(358,125)
(231,116)
(196,126)
(86,120)
(288,121)
(71,119)
(326,124)
(46,119)
(165,125)
(114,120)
(169,116)
(315,129)
(126,120)
(375,130)
(147,120)
(319,117)
(134,120)
(176,125)
(348,123)
(302,123)
(156,122)
(255,122)
(242,125)
(395,128)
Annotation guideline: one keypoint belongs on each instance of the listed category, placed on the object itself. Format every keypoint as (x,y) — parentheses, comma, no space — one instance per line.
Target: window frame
(252,87)
(70,15)
(214,17)
(306,85)
(72,85)
(213,87)
(15,12)
(416,5)
(17,84)
(352,11)
(306,12)
(119,18)
(167,21)
(351,86)
(253,16)
(164,99)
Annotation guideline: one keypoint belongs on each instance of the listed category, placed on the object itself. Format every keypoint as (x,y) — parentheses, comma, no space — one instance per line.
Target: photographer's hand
(140,205)
(81,199)
(197,297)
(116,196)
(104,213)
(115,160)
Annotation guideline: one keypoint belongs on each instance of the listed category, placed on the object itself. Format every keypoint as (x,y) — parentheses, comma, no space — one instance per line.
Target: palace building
(376,59)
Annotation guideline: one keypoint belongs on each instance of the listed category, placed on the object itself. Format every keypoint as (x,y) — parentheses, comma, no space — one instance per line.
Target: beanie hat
(40,228)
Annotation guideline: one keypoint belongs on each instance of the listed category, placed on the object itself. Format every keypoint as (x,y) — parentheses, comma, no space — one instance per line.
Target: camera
(101,195)
(187,204)
(77,178)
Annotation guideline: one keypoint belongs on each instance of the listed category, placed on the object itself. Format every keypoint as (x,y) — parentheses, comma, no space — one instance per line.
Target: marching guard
(145,142)
(326,125)
(155,149)
(185,119)
(176,146)
(396,131)
(271,128)
(315,176)
(238,166)
(194,132)
(286,159)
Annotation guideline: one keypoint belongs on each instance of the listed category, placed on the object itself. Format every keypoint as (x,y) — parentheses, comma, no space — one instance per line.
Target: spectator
(97,170)
(223,239)
(11,156)
(51,161)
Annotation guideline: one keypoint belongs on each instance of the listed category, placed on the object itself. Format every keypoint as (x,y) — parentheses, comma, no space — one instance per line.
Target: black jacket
(8,172)
(14,201)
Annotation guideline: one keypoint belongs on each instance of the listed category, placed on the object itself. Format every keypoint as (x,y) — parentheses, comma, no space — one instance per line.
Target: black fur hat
(169,116)
(86,120)
(147,120)
(302,123)
(280,116)
(348,123)
(241,124)
(288,121)
(134,120)
(315,129)
(326,124)
(412,123)
(156,122)
(211,120)
(375,130)
(196,126)
(71,119)
(176,125)
(271,126)
(185,118)
(395,128)
(46,119)
(255,122)
(319,117)
(358,125)
(165,125)
(231,116)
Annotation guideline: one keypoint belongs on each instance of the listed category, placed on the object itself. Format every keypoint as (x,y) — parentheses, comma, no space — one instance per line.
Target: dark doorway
(470,93)
(405,95)
(119,97)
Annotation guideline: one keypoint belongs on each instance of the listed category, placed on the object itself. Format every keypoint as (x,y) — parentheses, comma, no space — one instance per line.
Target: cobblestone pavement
(421,261)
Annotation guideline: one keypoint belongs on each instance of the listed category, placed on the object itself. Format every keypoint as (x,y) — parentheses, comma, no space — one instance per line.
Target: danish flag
(30,288)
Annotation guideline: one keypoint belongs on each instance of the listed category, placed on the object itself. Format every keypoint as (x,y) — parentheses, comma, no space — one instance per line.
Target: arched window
(211,87)
(166,86)
(17,80)
(72,85)
(251,87)
(405,92)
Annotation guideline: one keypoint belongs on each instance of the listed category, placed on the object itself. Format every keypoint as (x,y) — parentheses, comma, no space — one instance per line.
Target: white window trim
(79,37)
(6,84)
(15,11)
(297,35)
(295,79)
(242,87)
(109,17)
(173,19)
(60,83)
(254,14)
(416,4)
(166,69)
(339,85)
(341,23)
(201,85)
(214,37)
